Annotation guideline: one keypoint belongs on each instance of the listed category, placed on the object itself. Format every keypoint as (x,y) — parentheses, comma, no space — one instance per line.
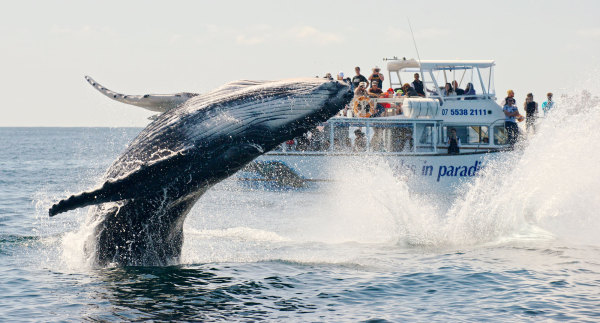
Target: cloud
(254,35)
(309,33)
(249,40)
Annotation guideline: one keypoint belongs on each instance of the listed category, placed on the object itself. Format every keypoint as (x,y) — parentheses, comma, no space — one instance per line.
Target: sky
(138,47)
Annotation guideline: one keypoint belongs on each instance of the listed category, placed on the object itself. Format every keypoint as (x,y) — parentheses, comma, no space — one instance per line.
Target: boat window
(469,135)
(425,137)
(500,137)
(391,137)
(342,142)
(481,80)
(316,139)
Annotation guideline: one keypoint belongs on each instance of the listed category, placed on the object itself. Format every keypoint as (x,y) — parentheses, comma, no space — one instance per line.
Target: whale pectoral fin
(152,102)
(110,191)
(73,202)
(133,185)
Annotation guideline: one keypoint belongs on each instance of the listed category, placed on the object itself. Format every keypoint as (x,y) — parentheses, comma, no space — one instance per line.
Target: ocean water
(520,243)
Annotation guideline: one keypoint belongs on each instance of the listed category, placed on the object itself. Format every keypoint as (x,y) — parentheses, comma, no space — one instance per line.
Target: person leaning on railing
(361,90)
(376,92)
(408,90)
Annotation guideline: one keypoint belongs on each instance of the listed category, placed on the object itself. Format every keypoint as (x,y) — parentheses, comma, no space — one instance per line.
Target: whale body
(139,210)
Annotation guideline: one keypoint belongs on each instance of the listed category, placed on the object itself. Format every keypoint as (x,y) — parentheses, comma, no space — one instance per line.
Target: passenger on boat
(418,85)
(408,90)
(453,143)
(358,78)
(511,113)
(340,77)
(375,91)
(406,141)
(328,76)
(361,90)
(548,104)
(376,77)
(509,94)
(470,90)
(387,95)
(448,90)
(457,90)
(290,144)
(398,105)
(360,141)
(303,142)
(531,112)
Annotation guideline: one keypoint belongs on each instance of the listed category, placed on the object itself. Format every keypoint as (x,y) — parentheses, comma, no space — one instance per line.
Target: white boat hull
(422,173)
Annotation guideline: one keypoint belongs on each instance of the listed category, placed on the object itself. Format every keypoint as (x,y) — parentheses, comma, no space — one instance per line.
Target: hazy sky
(138,47)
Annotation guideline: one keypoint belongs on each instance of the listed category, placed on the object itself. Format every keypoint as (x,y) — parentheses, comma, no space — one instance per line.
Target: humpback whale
(139,210)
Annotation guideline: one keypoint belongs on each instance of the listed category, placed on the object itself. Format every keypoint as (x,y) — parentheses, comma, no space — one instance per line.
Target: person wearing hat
(376,77)
(375,91)
(358,78)
(547,105)
(511,112)
(361,90)
(340,77)
(509,94)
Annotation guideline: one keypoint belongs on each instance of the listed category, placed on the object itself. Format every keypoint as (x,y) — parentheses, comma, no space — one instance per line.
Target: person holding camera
(376,77)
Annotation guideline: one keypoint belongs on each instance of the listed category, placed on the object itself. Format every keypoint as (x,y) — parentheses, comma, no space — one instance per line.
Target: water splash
(546,189)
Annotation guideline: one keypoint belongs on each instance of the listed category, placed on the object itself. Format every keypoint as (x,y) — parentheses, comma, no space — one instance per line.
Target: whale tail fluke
(152,102)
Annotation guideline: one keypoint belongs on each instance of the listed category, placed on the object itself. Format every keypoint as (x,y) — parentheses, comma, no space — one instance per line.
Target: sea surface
(521,243)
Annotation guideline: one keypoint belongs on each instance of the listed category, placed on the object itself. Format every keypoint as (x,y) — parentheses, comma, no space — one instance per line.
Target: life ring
(363,107)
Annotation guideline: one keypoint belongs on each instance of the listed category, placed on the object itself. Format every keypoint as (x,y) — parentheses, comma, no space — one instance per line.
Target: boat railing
(487,96)
(407,107)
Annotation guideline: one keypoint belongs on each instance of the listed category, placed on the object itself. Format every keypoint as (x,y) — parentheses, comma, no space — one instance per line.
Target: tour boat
(410,134)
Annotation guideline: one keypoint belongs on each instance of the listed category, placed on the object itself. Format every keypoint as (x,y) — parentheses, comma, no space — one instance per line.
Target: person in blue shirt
(511,113)
(548,105)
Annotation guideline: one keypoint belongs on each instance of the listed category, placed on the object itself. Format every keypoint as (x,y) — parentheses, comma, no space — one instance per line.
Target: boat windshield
(447,80)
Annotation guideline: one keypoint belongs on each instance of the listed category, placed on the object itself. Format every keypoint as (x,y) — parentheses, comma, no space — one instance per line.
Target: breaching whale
(139,210)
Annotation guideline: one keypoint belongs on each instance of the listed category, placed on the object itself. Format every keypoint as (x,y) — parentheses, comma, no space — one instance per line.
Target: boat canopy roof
(402,64)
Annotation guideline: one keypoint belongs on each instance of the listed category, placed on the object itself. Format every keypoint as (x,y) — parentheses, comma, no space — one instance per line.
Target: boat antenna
(416,49)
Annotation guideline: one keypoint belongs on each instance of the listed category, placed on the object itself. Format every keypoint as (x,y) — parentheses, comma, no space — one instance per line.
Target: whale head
(264,113)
